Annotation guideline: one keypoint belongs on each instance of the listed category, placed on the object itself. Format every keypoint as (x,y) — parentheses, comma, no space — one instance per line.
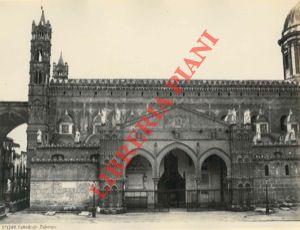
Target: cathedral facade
(223,144)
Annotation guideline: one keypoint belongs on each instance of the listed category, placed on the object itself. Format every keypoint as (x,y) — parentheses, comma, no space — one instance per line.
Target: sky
(142,39)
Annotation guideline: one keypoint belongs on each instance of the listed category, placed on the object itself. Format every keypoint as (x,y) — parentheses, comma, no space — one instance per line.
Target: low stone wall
(60,195)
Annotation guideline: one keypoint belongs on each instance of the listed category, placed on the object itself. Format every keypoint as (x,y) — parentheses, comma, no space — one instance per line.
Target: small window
(286,61)
(297,57)
(97,129)
(36,77)
(264,128)
(65,128)
(266,170)
(287,170)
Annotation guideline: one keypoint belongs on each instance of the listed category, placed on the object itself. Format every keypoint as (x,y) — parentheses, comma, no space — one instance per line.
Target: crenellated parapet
(106,82)
(155,87)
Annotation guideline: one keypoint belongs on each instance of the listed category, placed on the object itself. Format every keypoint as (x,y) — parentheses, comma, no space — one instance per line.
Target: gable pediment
(186,117)
(181,116)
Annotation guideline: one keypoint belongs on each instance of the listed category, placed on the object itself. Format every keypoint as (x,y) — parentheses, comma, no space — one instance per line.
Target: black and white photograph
(140,114)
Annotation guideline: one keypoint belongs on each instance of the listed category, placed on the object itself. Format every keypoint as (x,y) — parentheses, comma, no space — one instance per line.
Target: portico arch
(176,145)
(144,153)
(12,115)
(218,152)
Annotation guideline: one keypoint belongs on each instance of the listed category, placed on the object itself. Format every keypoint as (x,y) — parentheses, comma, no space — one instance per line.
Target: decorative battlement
(257,86)
(162,82)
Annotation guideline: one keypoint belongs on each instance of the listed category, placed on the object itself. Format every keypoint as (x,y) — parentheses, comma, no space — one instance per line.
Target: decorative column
(198,182)
(155,192)
(155,182)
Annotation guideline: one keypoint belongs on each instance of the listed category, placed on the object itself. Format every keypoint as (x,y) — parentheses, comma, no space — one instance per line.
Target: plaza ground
(175,219)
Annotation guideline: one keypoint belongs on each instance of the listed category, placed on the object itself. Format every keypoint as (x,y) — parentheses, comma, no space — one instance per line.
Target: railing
(162,201)
(201,199)
(207,199)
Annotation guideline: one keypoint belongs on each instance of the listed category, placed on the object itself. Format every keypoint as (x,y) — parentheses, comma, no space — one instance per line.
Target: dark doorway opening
(213,181)
(171,185)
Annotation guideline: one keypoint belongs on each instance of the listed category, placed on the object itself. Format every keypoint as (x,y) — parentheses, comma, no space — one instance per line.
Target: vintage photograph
(149,114)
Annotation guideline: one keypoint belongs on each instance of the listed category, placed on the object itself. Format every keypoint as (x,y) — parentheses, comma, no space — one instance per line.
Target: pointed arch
(144,153)
(218,152)
(176,145)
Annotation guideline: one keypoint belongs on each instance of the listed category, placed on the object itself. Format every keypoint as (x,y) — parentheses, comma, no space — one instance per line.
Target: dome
(66,118)
(292,21)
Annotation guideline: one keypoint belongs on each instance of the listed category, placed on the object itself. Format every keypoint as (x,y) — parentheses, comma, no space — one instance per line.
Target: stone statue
(290,136)
(247,117)
(103,116)
(226,119)
(231,116)
(257,136)
(8,185)
(117,115)
(39,136)
(77,136)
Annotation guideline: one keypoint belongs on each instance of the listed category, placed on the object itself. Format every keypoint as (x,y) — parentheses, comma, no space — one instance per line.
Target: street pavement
(175,219)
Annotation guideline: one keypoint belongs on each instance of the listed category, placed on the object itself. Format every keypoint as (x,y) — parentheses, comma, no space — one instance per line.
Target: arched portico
(218,152)
(139,181)
(144,153)
(176,145)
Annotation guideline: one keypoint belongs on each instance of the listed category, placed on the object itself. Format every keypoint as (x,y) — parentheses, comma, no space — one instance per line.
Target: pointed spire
(42,21)
(61,60)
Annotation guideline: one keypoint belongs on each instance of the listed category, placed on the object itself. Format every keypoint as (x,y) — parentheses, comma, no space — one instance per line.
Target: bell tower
(39,74)
(290,45)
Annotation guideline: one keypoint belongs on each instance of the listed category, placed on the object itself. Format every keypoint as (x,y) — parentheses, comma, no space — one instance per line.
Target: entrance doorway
(177,169)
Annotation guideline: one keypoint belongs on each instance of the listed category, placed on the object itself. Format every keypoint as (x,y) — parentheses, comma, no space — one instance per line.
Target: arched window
(36,77)
(286,60)
(36,55)
(253,119)
(114,196)
(57,157)
(287,170)
(106,199)
(266,170)
(66,125)
(297,57)
(248,194)
(240,194)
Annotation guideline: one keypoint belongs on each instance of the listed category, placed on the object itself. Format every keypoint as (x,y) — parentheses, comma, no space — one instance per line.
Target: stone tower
(39,79)
(290,44)
(61,69)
